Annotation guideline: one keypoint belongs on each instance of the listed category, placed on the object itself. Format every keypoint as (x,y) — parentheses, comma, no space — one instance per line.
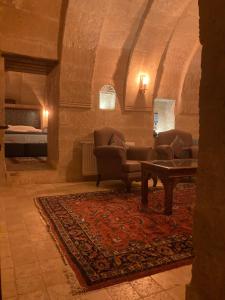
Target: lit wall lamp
(45,113)
(143,84)
(45,118)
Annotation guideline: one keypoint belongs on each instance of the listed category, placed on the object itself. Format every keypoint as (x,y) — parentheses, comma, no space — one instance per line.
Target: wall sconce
(143,85)
(45,113)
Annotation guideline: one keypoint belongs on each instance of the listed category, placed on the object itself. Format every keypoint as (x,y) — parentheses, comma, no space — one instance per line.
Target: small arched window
(107,97)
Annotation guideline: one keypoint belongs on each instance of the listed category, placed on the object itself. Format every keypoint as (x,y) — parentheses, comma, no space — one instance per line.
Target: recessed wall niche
(107,98)
(164,115)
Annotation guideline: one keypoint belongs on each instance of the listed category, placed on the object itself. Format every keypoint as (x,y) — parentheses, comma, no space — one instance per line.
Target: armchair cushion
(139,153)
(177,145)
(164,152)
(131,166)
(117,141)
(110,152)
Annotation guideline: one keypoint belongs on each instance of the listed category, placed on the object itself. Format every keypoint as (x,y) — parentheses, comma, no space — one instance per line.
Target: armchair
(174,144)
(115,160)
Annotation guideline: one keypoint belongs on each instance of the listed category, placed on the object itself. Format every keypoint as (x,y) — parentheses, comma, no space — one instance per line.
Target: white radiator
(88,159)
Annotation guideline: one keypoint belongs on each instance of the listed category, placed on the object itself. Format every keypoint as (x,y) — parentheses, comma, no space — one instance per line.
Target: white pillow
(23,128)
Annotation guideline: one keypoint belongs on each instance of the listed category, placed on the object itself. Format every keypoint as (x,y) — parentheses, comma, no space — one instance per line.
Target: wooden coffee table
(170,172)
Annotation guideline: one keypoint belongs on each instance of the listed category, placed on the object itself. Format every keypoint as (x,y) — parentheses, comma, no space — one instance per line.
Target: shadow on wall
(121,73)
(32,96)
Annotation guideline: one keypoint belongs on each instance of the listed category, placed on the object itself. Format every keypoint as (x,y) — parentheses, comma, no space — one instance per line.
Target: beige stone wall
(104,42)
(2,122)
(187,117)
(208,275)
(26,88)
(52,93)
(30,27)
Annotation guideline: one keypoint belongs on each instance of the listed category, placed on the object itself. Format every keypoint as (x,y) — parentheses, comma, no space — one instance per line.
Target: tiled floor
(32,268)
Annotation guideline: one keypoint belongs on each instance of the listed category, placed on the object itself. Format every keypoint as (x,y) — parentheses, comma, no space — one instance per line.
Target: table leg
(168,187)
(144,191)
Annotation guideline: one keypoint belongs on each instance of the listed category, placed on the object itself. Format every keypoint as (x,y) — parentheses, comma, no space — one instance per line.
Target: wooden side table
(170,172)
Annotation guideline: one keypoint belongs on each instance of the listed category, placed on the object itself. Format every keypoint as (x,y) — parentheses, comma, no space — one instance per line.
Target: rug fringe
(74,284)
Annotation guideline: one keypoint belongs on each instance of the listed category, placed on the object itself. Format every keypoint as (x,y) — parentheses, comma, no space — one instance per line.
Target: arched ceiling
(181,49)
(106,41)
(30,27)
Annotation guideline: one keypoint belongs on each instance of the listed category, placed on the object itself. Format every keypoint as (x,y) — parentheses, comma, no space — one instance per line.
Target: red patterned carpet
(106,239)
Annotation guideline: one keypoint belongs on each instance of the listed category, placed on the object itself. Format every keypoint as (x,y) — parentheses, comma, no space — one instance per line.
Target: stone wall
(208,275)
(2,122)
(104,42)
(30,27)
(26,88)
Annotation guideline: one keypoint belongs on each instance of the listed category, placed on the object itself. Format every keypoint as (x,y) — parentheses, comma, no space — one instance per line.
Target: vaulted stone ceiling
(30,27)
(107,41)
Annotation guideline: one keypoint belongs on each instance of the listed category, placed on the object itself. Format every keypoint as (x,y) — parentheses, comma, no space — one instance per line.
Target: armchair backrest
(102,136)
(166,137)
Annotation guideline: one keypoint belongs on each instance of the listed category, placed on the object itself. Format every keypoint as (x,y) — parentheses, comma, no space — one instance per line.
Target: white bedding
(23,128)
(26,138)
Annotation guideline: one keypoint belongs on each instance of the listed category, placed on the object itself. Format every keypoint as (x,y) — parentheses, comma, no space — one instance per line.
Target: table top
(173,164)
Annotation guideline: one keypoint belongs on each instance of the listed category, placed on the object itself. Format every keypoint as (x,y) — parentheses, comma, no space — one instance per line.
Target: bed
(24,137)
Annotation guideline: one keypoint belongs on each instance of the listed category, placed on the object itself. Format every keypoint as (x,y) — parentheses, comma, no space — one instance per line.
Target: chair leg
(98,179)
(128,186)
(155,180)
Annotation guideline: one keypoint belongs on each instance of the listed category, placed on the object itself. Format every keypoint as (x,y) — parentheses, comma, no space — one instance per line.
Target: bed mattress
(25,138)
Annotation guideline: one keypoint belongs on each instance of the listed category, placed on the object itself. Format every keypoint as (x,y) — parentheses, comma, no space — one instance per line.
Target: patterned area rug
(106,239)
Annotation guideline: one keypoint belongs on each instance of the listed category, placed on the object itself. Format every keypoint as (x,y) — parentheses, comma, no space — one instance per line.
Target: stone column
(2,99)
(208,274)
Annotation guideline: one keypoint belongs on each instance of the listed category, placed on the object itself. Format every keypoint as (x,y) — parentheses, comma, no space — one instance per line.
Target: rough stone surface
(107,42)
(2,121)
(208,275)
(26,88)
(30,27)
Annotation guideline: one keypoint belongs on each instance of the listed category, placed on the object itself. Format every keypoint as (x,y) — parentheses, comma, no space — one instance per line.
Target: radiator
(88,159)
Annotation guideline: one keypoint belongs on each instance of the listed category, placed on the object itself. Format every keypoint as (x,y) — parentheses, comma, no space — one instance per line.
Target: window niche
(164,115)
(107,98)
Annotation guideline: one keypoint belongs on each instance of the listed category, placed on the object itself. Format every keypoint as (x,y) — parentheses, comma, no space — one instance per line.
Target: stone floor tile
(12,227)
(159,296)
(5,250)
(26,270)
(23,255)
(61,292)
(170,279)
(178,293)
(95,295)
(146,286)
(8,289)
(7,275)
(7,263)
(41,235)
(29,284)
(46,250)
(18,238)
(53,278)
(37,295)
(183,273)
(122,292)
(54,264)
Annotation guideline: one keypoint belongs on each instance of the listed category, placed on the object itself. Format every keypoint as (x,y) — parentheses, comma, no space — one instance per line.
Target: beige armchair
(115,160)
(174,144)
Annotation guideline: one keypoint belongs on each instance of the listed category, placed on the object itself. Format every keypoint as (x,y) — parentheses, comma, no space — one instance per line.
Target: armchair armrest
(139,153)
(110,152)
(164,152)
(194,151)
